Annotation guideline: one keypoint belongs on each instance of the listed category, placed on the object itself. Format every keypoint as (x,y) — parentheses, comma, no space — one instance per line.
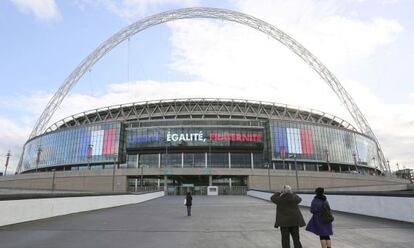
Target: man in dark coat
(288,216)
(188,203)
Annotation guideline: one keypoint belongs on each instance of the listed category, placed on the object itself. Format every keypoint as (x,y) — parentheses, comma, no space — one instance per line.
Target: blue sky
(366,43)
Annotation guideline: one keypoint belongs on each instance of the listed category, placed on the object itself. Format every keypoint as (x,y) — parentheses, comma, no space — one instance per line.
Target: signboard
(217,136)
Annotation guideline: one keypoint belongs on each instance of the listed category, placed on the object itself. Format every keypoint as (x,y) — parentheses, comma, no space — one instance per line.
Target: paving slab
(223,221)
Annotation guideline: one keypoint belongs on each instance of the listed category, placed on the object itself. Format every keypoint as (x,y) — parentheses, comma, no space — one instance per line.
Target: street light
(7,162)
(113,172)
(355,161)
(283,155)
(166,153)
(327,160)
(267,165)
(209,154)
(89,155)
(375,165)
(296,171)
(142,175)
(389,168)
(39,151)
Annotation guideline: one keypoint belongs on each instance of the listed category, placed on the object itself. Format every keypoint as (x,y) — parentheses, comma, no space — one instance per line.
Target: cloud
(130,9)
(12,137)
(227,53)
(42,9)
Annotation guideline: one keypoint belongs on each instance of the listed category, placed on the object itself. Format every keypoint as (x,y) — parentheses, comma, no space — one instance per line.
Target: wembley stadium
(201,136)
(192,143)
(202,133)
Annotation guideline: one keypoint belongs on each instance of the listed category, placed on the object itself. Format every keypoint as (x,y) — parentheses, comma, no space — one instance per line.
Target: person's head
(188,193)
(286,189)
(319,191)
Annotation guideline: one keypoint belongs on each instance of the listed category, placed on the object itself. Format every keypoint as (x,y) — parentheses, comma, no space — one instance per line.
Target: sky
(367,44)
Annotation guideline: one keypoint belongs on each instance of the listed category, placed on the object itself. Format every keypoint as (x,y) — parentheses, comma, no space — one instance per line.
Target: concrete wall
(310,180)
(101,180)
(388,207)
(17,211)
(92,181)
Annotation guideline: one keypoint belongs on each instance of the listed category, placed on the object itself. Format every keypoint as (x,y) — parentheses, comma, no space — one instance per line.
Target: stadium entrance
(196,184)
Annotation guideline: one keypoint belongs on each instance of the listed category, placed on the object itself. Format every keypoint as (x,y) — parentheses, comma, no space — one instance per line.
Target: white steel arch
(214,13)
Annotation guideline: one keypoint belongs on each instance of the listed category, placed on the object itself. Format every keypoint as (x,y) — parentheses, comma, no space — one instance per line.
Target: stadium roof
(199,108)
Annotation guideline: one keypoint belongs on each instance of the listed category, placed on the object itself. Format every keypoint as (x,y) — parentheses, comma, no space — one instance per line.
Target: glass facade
(240,144)
(312,142)
(92,144)
(194,160)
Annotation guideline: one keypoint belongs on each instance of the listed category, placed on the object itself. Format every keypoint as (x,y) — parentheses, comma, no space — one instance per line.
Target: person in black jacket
(188,203)
(288,216)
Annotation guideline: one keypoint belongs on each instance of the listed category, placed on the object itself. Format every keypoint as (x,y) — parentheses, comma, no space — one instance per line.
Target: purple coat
(315,224)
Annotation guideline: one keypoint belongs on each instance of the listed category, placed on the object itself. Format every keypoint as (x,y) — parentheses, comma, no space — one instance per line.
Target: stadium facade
(202,133)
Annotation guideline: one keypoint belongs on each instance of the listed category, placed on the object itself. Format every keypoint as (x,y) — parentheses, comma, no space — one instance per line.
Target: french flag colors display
(293,140)
(103,142)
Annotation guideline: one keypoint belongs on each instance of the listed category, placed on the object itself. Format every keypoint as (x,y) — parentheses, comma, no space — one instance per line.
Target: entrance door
(197,184)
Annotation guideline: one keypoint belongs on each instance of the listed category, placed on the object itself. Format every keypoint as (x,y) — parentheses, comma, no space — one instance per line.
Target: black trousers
(294,231)
(188,210)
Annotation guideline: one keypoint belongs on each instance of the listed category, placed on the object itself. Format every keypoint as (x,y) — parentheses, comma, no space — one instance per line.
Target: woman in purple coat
(316,225)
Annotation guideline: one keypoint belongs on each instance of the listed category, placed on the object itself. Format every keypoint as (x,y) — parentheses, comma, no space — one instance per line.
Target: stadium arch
(212,13)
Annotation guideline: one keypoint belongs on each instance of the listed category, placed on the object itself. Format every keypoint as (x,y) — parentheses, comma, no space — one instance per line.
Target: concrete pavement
(224,221)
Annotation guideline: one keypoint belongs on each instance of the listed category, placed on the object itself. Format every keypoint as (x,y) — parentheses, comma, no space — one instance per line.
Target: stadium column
(229,160)
(165,184)
(182,160)
(137,160)
(251,160)
(136,179)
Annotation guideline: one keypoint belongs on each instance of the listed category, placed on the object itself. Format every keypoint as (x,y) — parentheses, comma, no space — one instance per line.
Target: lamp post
(39,151)
(7,162)
(327,160)
(389,168)
(283,155)
(113,173)
(166,154)
(141,183)
(355,161)
(296,170)
(89,155)
(142,177)
(267,165)
(209,154)
(53,179)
